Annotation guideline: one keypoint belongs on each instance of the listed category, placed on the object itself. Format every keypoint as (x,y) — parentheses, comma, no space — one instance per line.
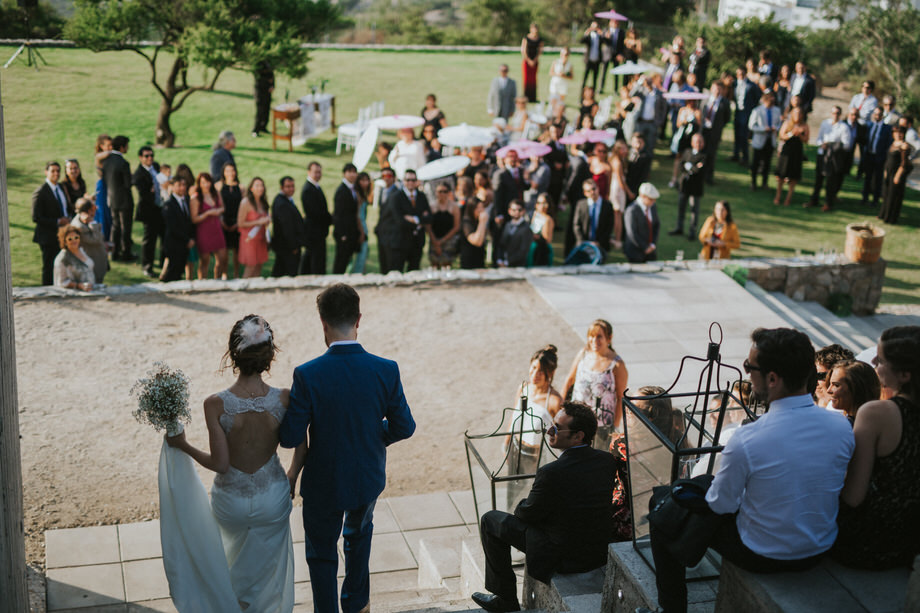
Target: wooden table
(288,113)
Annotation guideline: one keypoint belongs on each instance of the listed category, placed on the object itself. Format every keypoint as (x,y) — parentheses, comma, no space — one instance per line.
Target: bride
(246,561)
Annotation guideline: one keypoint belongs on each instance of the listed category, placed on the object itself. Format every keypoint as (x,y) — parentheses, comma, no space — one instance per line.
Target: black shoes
(675,232)
(491,602)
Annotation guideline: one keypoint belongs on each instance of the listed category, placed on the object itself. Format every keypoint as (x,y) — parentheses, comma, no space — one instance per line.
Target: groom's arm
(398,424)
(298,415)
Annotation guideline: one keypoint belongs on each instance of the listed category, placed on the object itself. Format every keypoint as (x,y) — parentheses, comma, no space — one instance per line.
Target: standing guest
(700,58)
(652,111)
(91,238)
(73,268)
(179,231)
(432,115)
(149,209)
(407,153)
(288,233)
(910,135)
(117,173)
(207,209)
(463,193)
(507,185)
(766,67)
(542,225)
(483,188)
(502,92)
(316,221)
(163,178)
(612,52)
(833,142)
(389,224)
(852,123)
(825,359)
(764,123)
(716,113)
(103,212)
(518,120)
(593,40)
(444,230)
(894,179)
(474,229)
(598,378)
(693,169)
(560,73)
(223,152)
(73,182)
(415,214)
(478,162)
(803,85)
(354,406)
(689,122)
(382,153)
(719,233)
(185,172)
(889,115)
(793,135)
(364,188)
(264,86)
(516,238)
(593,222)
(252,220)
(588,108)
(231,195)
(632,46)
(558,161)
(50,211)
(531,50)
(642,226)
(852,384)
(781,88)
(432,146)
(863,103)
(640,163)
(878,140)
(346,226)
(878,527)
(746,95)
(565,523)
(620,193)
(600,169)
(766,466)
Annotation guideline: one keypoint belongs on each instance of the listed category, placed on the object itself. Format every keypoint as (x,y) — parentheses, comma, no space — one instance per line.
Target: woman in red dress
(252,221)
(531,49)
(206,210)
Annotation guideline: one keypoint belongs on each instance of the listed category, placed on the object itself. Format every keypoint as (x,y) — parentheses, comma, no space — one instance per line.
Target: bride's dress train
(234,552)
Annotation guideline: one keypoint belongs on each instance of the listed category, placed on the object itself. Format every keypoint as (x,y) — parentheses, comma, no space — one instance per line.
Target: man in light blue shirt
(777,489)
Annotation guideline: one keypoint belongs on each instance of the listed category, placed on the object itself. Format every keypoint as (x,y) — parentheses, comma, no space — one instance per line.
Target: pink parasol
(612,15)
(686,96)
(524,149)
(588,136)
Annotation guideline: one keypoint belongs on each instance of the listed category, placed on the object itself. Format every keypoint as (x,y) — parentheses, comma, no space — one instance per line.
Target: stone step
(472,566)
(438,560)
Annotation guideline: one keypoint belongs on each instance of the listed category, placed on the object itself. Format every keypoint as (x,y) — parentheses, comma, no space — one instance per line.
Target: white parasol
(636,68)
(397,122)
(365,148)
(465,136)
(443,167)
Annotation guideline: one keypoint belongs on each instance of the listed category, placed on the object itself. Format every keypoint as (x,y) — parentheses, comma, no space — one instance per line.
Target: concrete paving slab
(424,511)
(140,540)
(453,532)
(384,521)
(111,608)
(145,580)
(296,520)
(389,552)
(162,605)
(81,546)
(85,586)
(463,500)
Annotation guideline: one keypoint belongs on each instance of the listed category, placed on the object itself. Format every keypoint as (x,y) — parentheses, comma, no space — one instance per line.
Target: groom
(354,406)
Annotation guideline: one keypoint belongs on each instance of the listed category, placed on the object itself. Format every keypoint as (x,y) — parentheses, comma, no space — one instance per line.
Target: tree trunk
(164,135)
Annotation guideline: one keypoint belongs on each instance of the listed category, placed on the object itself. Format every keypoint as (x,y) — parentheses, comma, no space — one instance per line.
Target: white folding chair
(349,133)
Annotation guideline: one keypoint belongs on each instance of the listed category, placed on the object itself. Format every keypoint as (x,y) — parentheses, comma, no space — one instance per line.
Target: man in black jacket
(389,224)
(414,218)
(346,228)
(564,524)
(50,210)
(287,231)
(179,232)
(117,174)
(149,206)
(593,219)
(316,221)
(507,184)
(693,169)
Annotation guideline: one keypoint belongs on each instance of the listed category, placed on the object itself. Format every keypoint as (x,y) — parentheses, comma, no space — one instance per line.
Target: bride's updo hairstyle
(251,350)
(548,359)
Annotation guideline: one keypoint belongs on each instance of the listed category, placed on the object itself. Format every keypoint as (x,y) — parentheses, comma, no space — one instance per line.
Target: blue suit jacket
(354,404)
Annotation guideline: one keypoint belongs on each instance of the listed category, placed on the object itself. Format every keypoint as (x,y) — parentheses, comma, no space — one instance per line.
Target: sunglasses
(553,430)
(749,368)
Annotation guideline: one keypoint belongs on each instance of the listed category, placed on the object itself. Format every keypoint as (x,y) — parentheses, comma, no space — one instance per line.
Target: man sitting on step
(564,524)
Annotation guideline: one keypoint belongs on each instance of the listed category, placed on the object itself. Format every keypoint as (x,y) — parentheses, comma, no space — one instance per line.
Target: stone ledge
(565,592)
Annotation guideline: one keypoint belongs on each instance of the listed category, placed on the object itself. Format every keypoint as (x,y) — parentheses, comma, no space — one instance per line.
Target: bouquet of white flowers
(162,399)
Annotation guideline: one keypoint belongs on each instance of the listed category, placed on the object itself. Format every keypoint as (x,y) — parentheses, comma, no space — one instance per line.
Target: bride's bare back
(251,427)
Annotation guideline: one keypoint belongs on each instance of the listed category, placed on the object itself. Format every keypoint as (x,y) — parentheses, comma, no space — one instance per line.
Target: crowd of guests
(824,470)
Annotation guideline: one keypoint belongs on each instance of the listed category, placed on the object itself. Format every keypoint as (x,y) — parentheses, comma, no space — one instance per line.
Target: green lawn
(57,112)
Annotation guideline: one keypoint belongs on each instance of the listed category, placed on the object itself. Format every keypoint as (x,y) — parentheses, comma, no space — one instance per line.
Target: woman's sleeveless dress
(253,250)
(209,235)
(591,385)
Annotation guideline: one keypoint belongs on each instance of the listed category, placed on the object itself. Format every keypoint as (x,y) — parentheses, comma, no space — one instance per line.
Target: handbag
(679,513)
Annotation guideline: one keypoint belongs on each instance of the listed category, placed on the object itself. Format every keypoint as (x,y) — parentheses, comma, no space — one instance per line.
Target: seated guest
(91,239)
(776,493)
(73,269)
(564,524)
(852,384)
(516,237)
(878,517)
(719,233)
(825,359)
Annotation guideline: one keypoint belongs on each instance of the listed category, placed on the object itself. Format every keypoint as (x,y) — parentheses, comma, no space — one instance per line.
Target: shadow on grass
(224,92)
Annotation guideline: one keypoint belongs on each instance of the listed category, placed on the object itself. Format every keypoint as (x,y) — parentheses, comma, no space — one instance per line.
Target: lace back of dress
(234,405)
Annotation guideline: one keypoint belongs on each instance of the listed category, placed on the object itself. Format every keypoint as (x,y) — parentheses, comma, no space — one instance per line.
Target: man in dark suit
(594,42)
(316,221)
(353,403)
(746,94)
(389,225)
(612,53)
(640,163)
(149,208)
(502,92)
(178,231)
(642,226)
(117,174)
(564,524)
(516,237)
(716,113)
(507,185)
(410,206)
(803,86)
(699,60)
(346,229)
(287,231)
(593,219)
(50,210)
(264,86)
(878,140)
(558,161)
(693,169)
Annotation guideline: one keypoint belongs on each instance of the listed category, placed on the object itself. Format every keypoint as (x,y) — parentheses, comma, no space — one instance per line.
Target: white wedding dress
(234,552)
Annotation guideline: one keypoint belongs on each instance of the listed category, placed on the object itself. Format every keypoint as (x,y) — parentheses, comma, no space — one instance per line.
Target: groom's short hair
(339,306)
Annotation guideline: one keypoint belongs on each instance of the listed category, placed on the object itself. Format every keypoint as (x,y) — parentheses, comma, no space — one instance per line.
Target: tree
(19,22)
(497,22)
(215,34)
(557,17)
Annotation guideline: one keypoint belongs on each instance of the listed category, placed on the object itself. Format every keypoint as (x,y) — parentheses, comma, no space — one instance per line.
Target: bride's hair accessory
(252,346)
(253,330)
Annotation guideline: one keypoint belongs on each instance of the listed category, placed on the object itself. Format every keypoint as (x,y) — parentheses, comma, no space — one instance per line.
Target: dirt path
(86,461)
